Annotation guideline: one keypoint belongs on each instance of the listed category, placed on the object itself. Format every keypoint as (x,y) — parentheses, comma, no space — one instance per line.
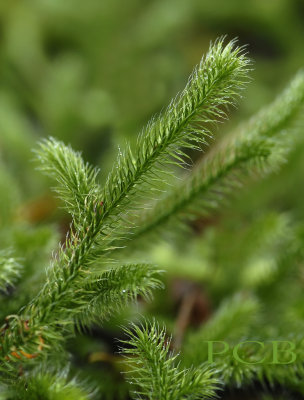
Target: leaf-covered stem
(214,85)
(252,149)
(9,269)
(155,372)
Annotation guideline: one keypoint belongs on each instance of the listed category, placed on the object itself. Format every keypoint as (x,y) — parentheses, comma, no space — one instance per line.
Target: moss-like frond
(154,370)
(10,270)
(76,180)
(259,148)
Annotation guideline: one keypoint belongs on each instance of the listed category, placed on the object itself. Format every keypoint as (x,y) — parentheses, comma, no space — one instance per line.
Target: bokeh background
(92,73)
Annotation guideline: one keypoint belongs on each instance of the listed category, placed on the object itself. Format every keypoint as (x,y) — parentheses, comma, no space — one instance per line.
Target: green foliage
(84,288)
(76,181)
(212,87)
(251,152)
(9,270)
(43,385)
(155,370)
(81,303)
(231,322)
(115,289)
